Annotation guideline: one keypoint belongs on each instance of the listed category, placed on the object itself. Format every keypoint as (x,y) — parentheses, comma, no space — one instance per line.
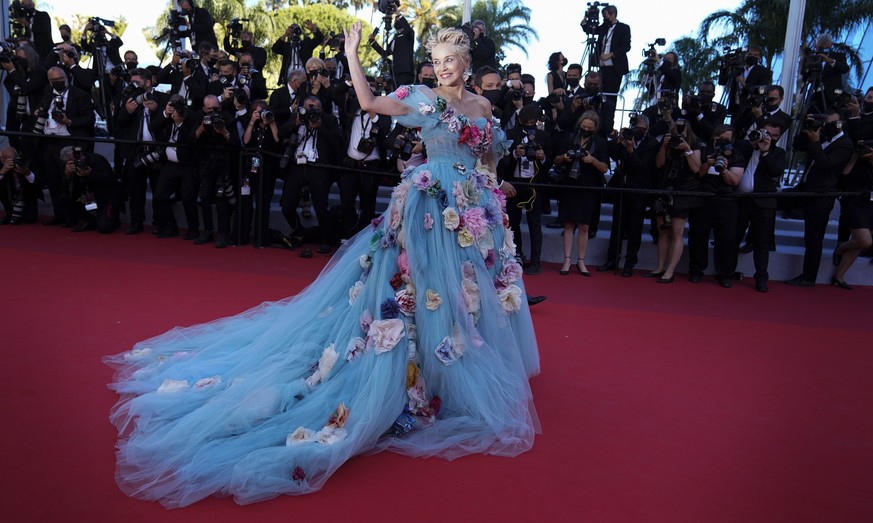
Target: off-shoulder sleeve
(414,99)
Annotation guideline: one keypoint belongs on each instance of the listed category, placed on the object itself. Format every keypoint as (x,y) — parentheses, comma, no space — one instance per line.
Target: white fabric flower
(325,363)
(467,270)
(329,435)
(137,354)
(386,334)
(465,239)
(426,109)
(451,219)
(509,241)
(301,435)
(357,346)
(510,298)
(354,290)
(445,351)
(366,261)
(169,386)
(207,382)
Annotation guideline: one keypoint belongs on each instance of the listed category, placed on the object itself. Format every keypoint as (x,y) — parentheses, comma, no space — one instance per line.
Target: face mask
(721,142)
(824,50)
(586,133)
(492,95)
(639,134)
(831,129)
(527,100)
(211,62)
(246,44)
(867,107)
(59,85)
(573,82)
(66,37)
(771,107)
(430,82)
(592,91)
(227,79)
(751,60)
(131,65)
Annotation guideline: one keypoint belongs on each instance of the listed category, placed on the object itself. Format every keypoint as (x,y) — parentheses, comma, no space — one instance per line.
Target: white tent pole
(790,57)
(467,12)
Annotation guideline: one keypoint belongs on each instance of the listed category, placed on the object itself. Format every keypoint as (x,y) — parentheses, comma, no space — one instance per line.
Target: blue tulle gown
(416,338)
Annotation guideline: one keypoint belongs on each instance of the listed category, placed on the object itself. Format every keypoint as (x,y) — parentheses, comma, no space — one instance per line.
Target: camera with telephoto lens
(7,52)
(843,99)
(58,108)
(367,143)
(120,71)
(241,96)
(403,144)
(576,156)
(20,101)
(757,135)
(334,40)
(758,96)
(662,207)
(667,101)
(531,147)
(21,161)
(225,189)
(79,159)
(41,118)
(309,115)
(388,7)
(814,122)
(235,27)
(676,137)
(594,101)
(290,149)
(267,116)
(516,94)
(147,159)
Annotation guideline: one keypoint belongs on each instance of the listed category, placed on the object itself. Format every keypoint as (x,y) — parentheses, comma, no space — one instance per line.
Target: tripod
(386,65)
(590,52)
(811,87)
(649,88)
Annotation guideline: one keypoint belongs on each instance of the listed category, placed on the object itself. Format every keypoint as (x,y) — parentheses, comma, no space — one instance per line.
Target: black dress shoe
(556,224)
(5,220)
(662,279)
(533,300)
(533,269)
(840,283)
(204,238)
(800,282)
(761,284)
(306,253)
(169,232)
(725,282)
(69,223)
(220,241)
(323,249)
(83,227)
(628,271)
(653,274)
(53,221)
(607,267)
(695,278)
(191,234)
(135,228)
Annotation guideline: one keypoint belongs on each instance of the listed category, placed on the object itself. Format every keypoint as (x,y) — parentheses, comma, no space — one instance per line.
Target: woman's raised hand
(353,38)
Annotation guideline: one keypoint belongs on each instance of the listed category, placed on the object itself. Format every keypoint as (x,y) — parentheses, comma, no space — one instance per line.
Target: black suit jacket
(329,140)
(714,115)
(162,127)
(202,27)
(484,53)
(101,182)
(195,83)
(79,109)
(832,77)
(758,75)
(128,126)
(671,77)
(509,166)
(32,85)
(41,26)
(112,49)
(826,164)
(307,46)
(259,54)
(619,47)
(637,167)
(769,172)
(280,103)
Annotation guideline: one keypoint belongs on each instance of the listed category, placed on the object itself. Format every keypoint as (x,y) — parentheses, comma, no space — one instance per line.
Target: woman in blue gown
(416,338)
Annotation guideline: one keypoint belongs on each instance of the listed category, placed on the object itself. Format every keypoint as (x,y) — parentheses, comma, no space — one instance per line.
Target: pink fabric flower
(403,262)
(386,334)
(459,194)
(428,221)
(401,92)
(421,179)
(467,270)
(511,272)
(406,301)
(475,222)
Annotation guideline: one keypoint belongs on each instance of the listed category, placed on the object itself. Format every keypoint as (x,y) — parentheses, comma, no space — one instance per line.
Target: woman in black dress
(857,214)
(584,159)
(557,77)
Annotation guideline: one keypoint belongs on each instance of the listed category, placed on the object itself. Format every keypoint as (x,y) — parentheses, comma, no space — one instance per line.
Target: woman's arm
(368,102)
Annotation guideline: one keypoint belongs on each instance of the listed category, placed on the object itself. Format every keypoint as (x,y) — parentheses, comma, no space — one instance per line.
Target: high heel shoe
(583,273)
(840,283)
(657,274)
(564,272)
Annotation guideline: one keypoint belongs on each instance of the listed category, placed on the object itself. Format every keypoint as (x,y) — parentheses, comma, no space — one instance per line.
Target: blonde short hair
(316,61)
(454,37)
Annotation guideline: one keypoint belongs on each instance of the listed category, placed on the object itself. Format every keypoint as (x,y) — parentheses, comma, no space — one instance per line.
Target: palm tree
(424,17)
(762,23)
(508,23)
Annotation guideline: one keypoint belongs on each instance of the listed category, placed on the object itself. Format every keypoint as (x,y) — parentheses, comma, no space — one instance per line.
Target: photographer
(94,190)
(316,140)
(613,44)
(832,65)
(703,112)
(751,75)
(295,49)
(246,45)
(177,175)
(338,63)
(253,78)
(528,163)
(182,75)
(366,133)
(404,149)
(677,163)
(518,98)
(581,162)
(18,188)
(589,100)
(25,82)
(400,49)
(67,38)
(720,173)
(671,74)
(484,51)
(228,85)
(763,106)
(37,25)
(856,212)
(317,82)
(828,152)
(763,174)
(63,111)
(202,25)
(262,134)
(213,139)
(664,113)
(209,58)
(142,161)
(285,100)
(634,152)
(96,39)
(66,56)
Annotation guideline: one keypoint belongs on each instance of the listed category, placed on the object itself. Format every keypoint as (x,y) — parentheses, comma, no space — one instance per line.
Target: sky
(556,21)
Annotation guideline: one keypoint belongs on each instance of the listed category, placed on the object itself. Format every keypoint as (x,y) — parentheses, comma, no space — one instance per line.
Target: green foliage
(267,23)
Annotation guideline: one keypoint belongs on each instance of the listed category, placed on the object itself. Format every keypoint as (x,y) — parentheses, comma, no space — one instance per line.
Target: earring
(467,74)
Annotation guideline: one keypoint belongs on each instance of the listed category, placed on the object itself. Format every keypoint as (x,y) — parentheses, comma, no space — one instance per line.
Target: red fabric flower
(397,281)
(297,474)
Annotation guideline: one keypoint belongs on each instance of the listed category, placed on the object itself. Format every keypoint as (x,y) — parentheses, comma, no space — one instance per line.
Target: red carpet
(658,402)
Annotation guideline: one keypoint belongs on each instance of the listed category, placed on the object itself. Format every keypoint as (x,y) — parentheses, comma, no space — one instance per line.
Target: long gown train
(416,338)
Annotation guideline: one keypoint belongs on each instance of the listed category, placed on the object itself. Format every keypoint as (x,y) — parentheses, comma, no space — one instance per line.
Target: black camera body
(309,115)
(21,161)
(79,159)
(663,206)
(591,19)
(58,108)
(267,116)
(667,101)
(758,96)
(403,144)
(757,135)
(814,122)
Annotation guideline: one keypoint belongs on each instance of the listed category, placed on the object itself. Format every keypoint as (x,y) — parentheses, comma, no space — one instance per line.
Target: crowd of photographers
(206,131)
